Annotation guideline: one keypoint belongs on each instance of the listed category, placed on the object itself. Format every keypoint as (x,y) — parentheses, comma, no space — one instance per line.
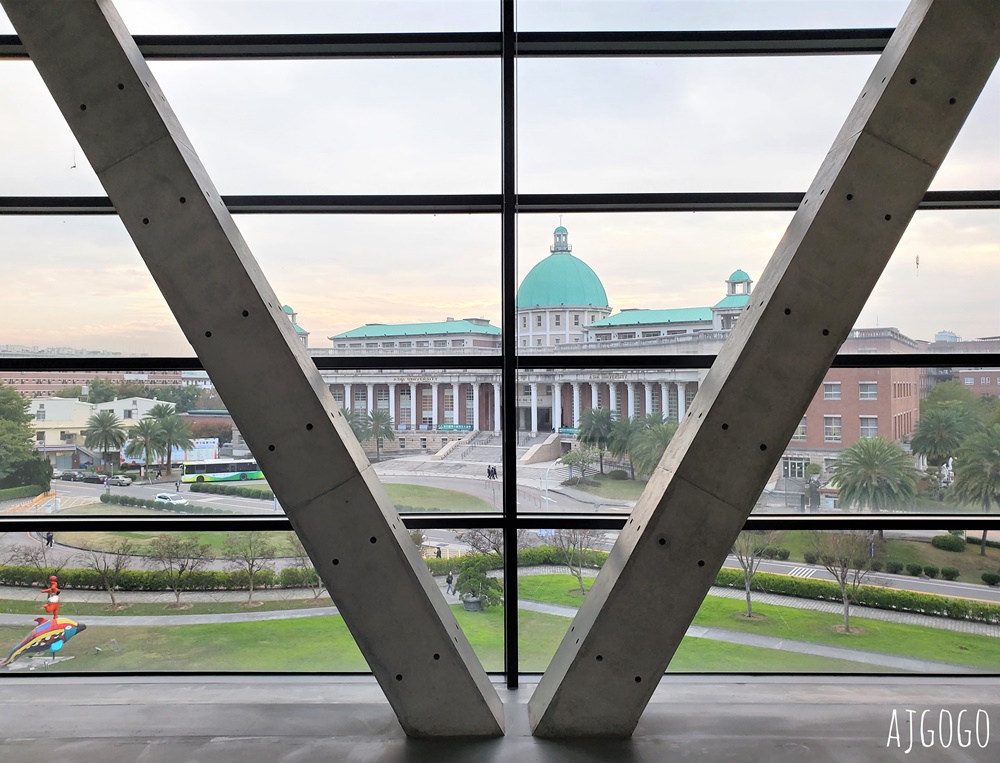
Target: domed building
(559,298)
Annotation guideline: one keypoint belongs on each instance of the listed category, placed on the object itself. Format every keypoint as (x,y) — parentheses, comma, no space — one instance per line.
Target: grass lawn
(969,563)
(622,490)
(424,498)
(80,610)
(916,641)
(141,539)
(324,644)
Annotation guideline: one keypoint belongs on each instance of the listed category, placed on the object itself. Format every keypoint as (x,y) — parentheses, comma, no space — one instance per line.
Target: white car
(171,498)
(119,481)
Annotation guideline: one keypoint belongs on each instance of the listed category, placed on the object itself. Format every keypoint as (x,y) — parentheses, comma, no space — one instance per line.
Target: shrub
(783,553)
(875,565)
(13,493)
(618,474)
(948,543)
(893,567)
(769,553)
(991,578)
(930,570)
(949,573)
(811,557)
(914,569)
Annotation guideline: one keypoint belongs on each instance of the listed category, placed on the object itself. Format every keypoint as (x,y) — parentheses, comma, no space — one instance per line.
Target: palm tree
(941,431)
(146,440)
(377,424)
(162,411)
(622,439)
(595,428)
(875,473)
(977,471)
(105,432)
(174,433)
(650,444)
(356,421)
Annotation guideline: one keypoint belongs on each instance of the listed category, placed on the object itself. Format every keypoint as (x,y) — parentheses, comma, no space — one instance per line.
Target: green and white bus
(221,470)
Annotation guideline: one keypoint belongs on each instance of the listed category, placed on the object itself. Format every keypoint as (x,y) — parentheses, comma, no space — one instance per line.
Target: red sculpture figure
(52,606)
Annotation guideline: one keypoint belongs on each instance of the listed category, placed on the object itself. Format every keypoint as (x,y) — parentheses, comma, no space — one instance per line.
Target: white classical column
(534,407)
(454,401)
(475,406)
(576,404)
(664,400)
(370,397)
(681,402)
(612,402)
(435,389)
(392,404)
(631,400)
(414,403)
(348,399)
(649,397)
(496,406)
(557,406)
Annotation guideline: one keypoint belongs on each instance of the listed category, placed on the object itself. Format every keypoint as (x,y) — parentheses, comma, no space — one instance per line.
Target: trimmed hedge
(28,491)
(915,569)
(991,578)
(867,596)
(138,580)
(976,541)
(948,543)
(930,570)
(950,573)
(241,492)
(893,567)
(131,500)
(617,474)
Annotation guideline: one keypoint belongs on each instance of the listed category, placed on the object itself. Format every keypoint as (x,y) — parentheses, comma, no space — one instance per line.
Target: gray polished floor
(284,719)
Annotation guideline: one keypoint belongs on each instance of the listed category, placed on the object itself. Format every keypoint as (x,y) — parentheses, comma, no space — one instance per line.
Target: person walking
(449,580)
(49,538)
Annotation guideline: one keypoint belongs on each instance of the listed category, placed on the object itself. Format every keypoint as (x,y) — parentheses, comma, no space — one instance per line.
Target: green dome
(738,276)
(561,279)
(560,229)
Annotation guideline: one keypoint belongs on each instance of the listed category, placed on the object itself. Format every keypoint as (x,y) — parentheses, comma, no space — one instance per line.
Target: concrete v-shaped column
(229,313)
(809,296)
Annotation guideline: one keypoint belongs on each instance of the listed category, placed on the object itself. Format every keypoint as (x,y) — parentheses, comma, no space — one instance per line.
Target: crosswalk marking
(802,572)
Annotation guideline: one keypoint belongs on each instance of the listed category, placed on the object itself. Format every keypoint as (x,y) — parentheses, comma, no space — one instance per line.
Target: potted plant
(475,587)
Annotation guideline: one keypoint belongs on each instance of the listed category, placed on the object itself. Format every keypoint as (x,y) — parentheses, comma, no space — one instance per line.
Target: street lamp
(546,480)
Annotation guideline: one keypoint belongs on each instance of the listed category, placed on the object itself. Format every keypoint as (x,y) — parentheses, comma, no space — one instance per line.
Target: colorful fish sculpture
(48,637)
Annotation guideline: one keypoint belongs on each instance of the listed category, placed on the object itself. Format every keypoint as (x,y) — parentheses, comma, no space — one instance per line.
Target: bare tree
(489,540)
(39,558)
(177,558)
(111,565)
(574,545)
(847,556)
(249,552)
(418,538)
(748,550)
(302,561)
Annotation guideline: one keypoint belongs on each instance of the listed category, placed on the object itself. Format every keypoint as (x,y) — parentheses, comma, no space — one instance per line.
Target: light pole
(546,481)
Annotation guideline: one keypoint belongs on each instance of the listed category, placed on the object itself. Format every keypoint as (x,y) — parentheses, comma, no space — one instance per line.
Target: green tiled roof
(649,317)
(373,330)
(561,279)
(734,300)
(299,329)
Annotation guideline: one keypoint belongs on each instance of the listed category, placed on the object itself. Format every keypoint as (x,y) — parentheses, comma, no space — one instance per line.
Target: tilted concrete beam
(803,308)
(233,319)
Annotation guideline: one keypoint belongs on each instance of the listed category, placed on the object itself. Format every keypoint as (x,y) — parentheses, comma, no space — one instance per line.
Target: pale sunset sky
(433,126)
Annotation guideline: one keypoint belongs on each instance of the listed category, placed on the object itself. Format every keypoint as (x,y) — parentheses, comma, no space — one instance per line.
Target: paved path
(715,634)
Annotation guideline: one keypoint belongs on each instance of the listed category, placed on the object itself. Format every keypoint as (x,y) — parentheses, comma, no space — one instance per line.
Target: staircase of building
(486,448)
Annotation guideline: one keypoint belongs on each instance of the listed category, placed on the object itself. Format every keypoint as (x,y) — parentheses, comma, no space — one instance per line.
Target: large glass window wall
(485,454)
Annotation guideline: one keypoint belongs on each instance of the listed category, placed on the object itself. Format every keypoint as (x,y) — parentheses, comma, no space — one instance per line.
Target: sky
(584,125)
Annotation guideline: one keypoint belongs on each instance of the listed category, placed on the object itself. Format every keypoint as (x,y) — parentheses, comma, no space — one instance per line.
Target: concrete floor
(282,719)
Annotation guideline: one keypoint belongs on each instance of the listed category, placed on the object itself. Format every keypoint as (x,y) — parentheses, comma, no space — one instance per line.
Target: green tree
(184,398)
(582,457)
(595,429)
(20,465)
(875,474)
(100,391)
(977,471)
(377,425)
(650,445)
(72,393)
(622,440)
(175,433)
(162,411)
(146,441)
(222,432)
(947,393)
(105,432)
(356,421)
(941,431)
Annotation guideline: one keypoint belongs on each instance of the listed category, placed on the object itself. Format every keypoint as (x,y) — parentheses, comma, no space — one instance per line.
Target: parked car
(120,481)
(71,476)
(171,498)
(96,478)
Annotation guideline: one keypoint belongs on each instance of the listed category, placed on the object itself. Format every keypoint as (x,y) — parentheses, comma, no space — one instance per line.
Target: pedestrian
(449,580)
(489,472)
(158,474)
(177,486)
(49,537)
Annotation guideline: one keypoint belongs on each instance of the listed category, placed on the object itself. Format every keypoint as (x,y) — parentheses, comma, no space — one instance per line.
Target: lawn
(321,644)
(423,498)
(81,610)
(920,642)
(141,539)
(622,490)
